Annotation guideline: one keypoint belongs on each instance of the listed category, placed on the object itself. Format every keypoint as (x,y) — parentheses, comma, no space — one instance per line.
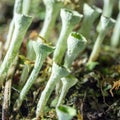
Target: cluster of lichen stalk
(68,47)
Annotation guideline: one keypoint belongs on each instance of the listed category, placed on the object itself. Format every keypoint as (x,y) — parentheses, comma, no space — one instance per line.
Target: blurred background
(37,11)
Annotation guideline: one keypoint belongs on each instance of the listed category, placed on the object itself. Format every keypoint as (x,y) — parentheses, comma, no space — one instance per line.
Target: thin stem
(10,35)
(27,68)
(90,15)
(69,20)
(6,100)
(67,82)
(30,81)
(42,51)
(116,32)
(106,24)
(108,8)
(52,10)
(57,73)
(107,11)
(76,43)
(96,49)
(22,23)
(26,6)
(17,9)
(1,49)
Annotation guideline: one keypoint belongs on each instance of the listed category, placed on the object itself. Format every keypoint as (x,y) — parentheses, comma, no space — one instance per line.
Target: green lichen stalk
(76,43)
(1,50)
(65,112)
(52,10)
(17,9)
(108,7)
(57,73)
(67,83)
(106,23)
(42,51)
(26,6)
(22,23)
(90,15)
(27,68)
(116,32)
(107,11)
(69,20)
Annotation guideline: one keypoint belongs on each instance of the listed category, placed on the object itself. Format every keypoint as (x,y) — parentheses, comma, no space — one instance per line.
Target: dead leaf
(116,85)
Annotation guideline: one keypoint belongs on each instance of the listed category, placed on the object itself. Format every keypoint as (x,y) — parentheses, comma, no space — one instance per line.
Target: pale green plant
(67,83)
(57,73)
(35,9)
(52,10)
(116,32)
(27,67)
(108,7)
(90,15)
(76,43)
(26,6)
(65,112)
(20,7)
(107,11)
(17,9)
(1,50)
(22,22)
(41,51)
(69,20)
(106,24)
